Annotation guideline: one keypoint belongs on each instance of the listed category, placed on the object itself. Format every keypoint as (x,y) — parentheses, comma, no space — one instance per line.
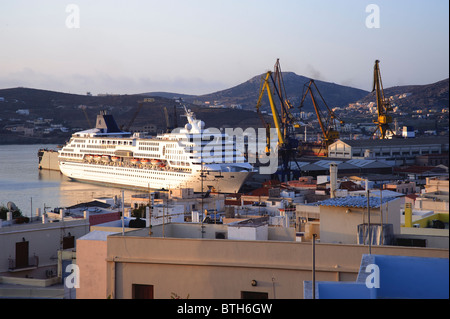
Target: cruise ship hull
(107,155)
(145,178)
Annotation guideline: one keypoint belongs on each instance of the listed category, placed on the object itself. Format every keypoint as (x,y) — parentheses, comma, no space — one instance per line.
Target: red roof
(351,186)
(271,183)
(263,191)
(412,196)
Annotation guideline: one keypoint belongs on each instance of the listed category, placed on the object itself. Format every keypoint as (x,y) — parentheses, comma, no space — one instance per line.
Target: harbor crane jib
(327,118)
(383,106)
(288,145)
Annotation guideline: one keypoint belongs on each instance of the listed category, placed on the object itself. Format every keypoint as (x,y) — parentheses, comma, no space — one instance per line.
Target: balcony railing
(33,262)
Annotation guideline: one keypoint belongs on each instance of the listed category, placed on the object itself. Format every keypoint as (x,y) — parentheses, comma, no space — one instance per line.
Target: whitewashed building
(393,151)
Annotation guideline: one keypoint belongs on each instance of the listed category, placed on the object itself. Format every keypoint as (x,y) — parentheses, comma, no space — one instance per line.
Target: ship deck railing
(130,165)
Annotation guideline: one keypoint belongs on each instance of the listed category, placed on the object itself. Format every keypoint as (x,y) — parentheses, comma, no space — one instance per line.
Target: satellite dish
(12,207)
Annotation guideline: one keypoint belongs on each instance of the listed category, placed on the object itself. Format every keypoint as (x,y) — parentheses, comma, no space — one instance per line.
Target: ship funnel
(107,123)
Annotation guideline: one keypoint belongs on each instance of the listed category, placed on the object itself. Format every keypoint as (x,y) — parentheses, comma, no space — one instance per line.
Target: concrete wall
(91,256)
(207,268)
(44,240)
(430,204)
(248,233)
(49,161)
(339,224)
(434,184)
(95,219)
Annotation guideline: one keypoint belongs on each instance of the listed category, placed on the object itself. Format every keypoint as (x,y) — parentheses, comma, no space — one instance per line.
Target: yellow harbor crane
(327,122)
(285,123)
(383,106)
(83,108)
(133,118)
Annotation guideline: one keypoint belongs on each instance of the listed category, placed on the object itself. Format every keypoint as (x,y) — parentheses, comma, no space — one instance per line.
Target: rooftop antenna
(123,222)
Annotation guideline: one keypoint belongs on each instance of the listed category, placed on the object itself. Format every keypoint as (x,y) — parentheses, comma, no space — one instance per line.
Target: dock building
(394,151)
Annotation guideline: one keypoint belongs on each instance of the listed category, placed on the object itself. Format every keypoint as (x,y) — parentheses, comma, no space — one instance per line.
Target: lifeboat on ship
(106,158)
(145,161)
(89,157)
(115,159)
(97,158)
(155,162)
(134,161)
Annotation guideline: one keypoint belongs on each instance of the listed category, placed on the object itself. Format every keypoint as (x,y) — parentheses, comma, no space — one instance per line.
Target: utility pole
(201,175)
(123,222)
(368,221)
(314,266)
(381,213)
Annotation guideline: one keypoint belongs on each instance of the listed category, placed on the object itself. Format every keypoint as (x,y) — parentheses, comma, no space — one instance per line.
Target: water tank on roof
(137,223)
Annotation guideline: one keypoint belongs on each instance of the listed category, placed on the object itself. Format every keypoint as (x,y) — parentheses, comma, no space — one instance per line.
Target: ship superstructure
(190,157)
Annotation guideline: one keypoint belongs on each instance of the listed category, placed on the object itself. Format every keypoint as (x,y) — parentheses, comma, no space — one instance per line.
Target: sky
(203,46)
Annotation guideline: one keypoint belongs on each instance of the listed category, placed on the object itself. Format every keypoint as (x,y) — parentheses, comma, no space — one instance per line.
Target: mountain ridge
(66,106)
(423,96)
(246,93)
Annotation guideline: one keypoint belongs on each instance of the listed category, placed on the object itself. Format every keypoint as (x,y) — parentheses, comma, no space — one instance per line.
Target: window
(142,291)
(69,242)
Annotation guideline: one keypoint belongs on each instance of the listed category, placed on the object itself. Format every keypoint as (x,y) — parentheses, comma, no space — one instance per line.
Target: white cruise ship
(107,155)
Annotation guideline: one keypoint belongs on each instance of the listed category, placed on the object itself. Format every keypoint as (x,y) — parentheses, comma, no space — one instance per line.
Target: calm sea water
(22,183)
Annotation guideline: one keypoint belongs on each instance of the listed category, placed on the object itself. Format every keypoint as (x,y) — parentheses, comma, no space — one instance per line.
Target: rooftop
(353,164)
(354,201)
(211,231)
(98,235)
(94,203)
(398,141)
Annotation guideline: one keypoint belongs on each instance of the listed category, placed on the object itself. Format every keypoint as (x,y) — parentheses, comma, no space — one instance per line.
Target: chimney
(333,179)
(408,215)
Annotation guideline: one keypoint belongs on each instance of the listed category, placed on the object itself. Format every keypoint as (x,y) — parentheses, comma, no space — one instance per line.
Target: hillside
(246,94)
(421,97)
(64,109)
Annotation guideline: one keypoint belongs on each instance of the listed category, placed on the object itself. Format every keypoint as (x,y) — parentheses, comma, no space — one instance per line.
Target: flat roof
(398,141)
(97,235)
(354,201)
